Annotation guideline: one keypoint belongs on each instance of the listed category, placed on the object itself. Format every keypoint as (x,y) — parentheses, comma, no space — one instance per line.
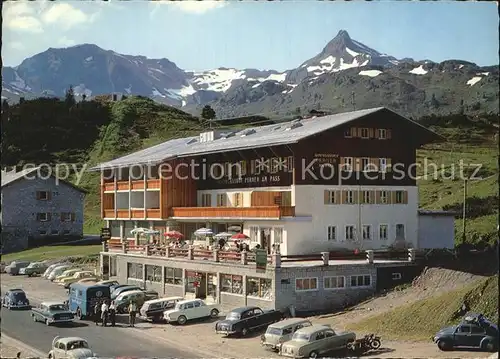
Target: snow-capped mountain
(343,66)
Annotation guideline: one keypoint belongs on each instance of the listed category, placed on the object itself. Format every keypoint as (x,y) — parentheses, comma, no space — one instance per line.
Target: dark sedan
(15,298)
(241,321)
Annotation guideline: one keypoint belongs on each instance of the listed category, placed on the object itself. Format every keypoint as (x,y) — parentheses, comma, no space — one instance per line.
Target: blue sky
(264,35)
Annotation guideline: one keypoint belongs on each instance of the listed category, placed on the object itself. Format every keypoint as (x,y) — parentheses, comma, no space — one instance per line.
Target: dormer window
(382,133)
(364,133)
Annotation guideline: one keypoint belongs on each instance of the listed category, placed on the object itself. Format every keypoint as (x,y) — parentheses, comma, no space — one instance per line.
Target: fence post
(325,256)
(411,255)
(167,251)
(125,246)
(276,260)
(216,255)
(244,257)
(190,252)
(369,256)
(105,246)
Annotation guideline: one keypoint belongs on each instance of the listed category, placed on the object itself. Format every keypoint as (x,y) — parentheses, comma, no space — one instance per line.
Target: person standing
(97,312)
(104,313)
(112,313)
(132,312)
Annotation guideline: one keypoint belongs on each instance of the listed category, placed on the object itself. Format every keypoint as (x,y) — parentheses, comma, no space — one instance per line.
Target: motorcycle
(368,342)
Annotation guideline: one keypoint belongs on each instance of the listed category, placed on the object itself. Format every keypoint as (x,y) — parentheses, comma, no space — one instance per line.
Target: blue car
(15,299)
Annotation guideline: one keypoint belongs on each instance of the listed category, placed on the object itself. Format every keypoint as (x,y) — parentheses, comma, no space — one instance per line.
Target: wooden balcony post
(124,246)
(216,255)
(167,251)
(276,260)
(244,259)
(325,256)
(190,252)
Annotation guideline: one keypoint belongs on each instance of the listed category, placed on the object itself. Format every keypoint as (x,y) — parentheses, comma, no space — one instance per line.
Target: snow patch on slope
(371,73)
(352,53)
(219,80)
(474,80)
(418,70)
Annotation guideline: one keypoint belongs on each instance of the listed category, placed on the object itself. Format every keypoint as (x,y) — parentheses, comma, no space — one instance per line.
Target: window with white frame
(42,217)
(334,282)
(332,233)
(306,284)
(366,197)
(65,216)
(349,233)
(42,195)
(254,234)
(242,168)
(399,197)
(367,229)
(383,232)
(361,280)
(349,197)
(206,200)
(383,197)
(275,164)
(382,164)
(382,133)
(289,163)
(365,164)
(221,200)
(364,133)
(42,232)
(347,164)
(331,197)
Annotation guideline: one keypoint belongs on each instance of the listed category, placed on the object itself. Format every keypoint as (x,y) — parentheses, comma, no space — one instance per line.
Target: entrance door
(201,291)
(265,238)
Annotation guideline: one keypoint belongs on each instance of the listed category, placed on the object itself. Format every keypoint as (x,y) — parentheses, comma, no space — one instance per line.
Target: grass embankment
(53,252)
(421,320)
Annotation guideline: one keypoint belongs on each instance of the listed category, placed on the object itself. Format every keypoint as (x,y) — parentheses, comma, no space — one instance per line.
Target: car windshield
(273,331)
(301,337)
(19,295)
(78,344)
(57,307)
(233,316)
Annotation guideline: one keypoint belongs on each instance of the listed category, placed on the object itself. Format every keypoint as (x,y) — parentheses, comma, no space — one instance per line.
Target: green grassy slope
(424,318)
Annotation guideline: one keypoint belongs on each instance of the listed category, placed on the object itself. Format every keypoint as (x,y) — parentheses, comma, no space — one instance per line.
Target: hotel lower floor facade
(305,286)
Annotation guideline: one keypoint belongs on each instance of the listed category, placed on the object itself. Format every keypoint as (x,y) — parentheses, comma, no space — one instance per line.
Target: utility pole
(353,101)
(360,227)
(464,212)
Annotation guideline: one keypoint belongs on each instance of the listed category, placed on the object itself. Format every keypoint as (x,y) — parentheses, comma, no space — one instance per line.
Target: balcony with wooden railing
(271,212)
(151,184)
(149,213)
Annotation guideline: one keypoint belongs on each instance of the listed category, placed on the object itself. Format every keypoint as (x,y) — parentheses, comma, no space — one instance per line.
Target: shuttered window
(221,200)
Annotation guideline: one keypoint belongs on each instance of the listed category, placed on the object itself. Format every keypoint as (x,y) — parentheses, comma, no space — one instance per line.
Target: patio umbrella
(173,234)
(234,229)
(139,230)
(223,235)
(204,232)
(240,236)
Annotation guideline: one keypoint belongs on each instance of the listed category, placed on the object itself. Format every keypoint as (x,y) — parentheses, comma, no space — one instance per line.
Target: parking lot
(199,338)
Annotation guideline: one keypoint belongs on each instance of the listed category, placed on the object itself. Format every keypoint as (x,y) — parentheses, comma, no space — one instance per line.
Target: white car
(70,348)
(50,269)
(58,271)
(190,309)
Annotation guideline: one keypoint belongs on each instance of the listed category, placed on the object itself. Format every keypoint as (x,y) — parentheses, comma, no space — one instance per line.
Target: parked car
(57,271)
(2,267)
(241,321)
(15,298)
(190,309)
(33,269)
(118,291)
(86,280)
(65,282)
(14,267)
(280,332)
(124,299)
(68,273)
(108,283)
(71,348)
(153,309)
(313,341)
(50,268)
(114,287)
(474,331)
(52,313)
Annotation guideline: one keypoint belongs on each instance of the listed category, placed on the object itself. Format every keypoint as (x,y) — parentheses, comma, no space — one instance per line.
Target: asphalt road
(106,342)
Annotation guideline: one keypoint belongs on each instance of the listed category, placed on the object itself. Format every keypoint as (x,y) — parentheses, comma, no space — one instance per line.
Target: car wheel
(182,320)
(214,313)
(244,332)
(488,346)
(79,314)
(375,344)
(313,354)
(443,345)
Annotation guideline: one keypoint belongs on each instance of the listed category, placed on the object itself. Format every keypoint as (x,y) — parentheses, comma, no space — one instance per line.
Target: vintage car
(49,269)
(33,269)
(57,271)
(190,309)
(280,332)
(474,331)
(115,293)
(153,309)
(313,341)
(15,298)
(65,282)
(241,321)
(14,267)
(136,296)
(69,273)
(70,348)
(52,313)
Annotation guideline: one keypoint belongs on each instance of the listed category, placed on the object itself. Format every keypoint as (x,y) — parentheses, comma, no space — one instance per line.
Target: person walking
(112,313)
(97,312)
(104,313)
(132,312)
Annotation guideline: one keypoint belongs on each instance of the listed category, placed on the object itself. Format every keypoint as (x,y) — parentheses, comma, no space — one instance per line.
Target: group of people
(105,311)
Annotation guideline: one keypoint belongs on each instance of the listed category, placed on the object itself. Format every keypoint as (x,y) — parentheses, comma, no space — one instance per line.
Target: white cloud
(65,15)
(190,6)
(16,45)
(21,16)
(66,42)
